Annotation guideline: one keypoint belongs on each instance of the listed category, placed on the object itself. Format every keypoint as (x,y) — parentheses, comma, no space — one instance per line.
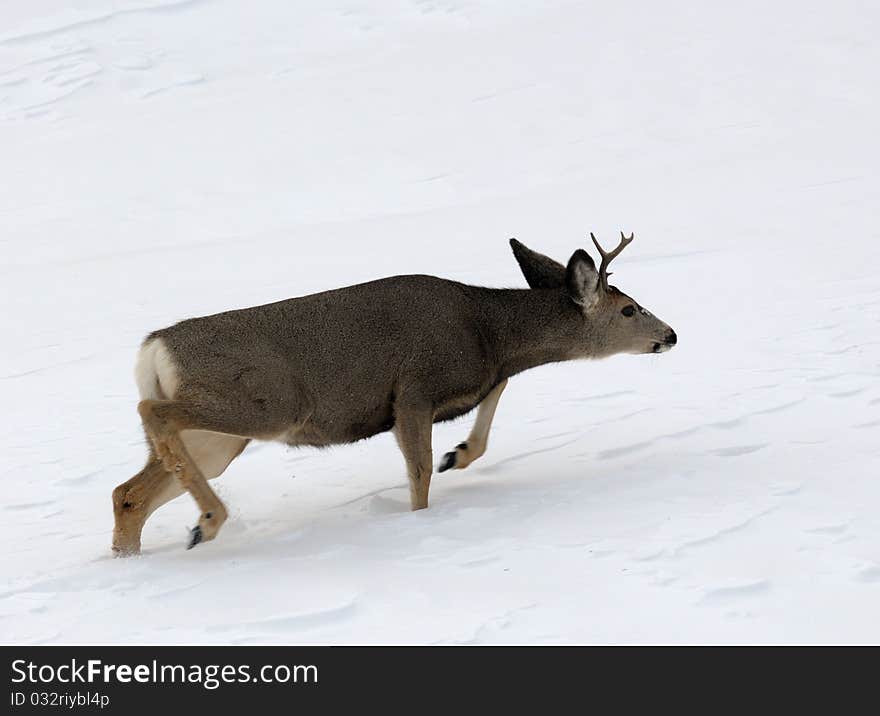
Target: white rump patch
(155,373)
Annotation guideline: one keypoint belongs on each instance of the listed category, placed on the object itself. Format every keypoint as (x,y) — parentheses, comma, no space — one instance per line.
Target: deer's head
(613,322)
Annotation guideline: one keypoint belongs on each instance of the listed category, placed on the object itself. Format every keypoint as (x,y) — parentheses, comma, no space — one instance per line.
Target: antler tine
(608,256)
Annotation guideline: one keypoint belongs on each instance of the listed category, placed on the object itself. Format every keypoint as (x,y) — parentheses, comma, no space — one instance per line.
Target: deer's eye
(628,311)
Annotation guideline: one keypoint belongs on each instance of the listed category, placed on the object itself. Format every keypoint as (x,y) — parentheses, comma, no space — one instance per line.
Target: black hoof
(447,462)
(195,536)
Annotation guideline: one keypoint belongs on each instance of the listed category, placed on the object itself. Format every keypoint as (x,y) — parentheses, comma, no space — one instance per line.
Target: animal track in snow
(380,505)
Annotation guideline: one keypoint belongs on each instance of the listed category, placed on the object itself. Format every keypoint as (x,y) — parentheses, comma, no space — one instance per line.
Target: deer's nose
(671,338)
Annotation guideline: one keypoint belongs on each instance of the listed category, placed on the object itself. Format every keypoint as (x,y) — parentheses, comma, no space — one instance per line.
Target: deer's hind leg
(133,502)
(475,445)
(136,499)
(173,425)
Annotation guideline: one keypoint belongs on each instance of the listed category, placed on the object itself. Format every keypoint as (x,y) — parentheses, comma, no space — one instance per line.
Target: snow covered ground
(167,158)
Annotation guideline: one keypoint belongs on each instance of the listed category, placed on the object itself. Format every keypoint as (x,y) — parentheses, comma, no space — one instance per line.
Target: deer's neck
(531,327)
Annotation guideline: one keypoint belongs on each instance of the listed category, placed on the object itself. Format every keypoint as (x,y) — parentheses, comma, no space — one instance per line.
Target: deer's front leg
(412,426)
(475,445)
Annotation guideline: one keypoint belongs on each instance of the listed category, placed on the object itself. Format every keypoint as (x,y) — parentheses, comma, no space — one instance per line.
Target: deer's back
(330,366)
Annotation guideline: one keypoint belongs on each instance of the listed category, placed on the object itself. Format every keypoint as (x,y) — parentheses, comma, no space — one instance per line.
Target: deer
(395,354)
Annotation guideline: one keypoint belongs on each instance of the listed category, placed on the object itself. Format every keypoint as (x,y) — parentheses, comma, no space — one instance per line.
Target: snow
(165,159)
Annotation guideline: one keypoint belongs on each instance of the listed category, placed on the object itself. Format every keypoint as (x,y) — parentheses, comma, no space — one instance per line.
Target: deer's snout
(669,340)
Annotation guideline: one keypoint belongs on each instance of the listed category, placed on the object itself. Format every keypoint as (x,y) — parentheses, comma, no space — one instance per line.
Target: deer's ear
(540,271)
(582,279)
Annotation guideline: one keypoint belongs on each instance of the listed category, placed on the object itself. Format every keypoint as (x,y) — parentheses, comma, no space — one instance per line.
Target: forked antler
(608,256)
